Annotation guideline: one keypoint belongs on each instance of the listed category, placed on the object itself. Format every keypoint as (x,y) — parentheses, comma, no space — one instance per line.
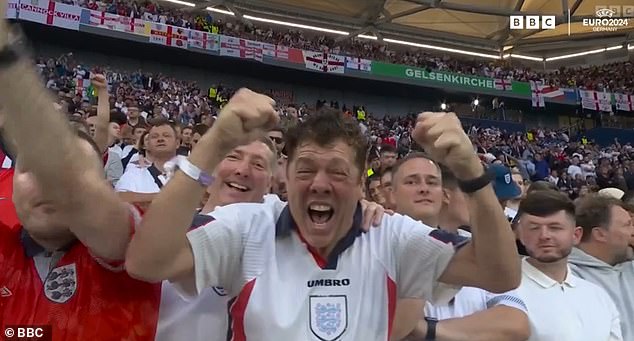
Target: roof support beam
(405,13)
(487,10)
(575,6)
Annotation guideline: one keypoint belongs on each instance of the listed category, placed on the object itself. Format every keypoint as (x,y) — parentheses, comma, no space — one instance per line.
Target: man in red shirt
(63,266)
(8,216)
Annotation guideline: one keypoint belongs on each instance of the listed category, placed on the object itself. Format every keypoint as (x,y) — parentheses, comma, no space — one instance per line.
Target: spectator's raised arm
(103,112)
(47,148)
(490,261)
(160,249)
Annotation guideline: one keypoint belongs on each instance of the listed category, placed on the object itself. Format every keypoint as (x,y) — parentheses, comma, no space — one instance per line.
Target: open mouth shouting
(320,213)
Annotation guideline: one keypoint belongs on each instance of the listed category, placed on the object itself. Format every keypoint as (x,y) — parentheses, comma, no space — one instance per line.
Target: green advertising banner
(446,78)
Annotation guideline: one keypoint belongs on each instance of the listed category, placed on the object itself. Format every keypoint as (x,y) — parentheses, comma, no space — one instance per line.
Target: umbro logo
(5,292)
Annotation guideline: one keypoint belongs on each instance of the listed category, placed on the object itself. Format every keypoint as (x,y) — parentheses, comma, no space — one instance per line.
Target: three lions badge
(61,283)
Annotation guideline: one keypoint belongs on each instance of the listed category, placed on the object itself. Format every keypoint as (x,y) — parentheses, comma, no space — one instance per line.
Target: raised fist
(442,137)
(99,82)
(246,117)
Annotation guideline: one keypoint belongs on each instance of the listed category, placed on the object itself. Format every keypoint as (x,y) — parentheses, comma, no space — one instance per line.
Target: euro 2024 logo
(609,18)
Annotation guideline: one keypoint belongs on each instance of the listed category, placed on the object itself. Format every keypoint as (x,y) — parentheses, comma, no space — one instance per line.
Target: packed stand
(616,77)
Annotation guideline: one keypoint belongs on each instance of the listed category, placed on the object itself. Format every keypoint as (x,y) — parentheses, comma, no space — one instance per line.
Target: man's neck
(53,244)
(133,121)
(429,221)
(449,225)
(597,251)
(556,270)
(159,160)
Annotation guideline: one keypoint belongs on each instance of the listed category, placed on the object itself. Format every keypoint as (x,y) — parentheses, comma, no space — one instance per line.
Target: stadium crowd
(180,228)
(615,77)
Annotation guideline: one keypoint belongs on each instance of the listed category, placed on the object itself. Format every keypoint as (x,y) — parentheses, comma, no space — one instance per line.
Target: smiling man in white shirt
(561,306)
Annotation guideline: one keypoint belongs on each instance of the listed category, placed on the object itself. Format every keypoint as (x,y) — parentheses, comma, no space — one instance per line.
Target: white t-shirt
(138,179)
(575,310)
(573,170)
(284,292)
(470,300)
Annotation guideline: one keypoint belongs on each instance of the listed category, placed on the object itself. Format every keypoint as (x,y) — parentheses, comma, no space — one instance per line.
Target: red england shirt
(81,296)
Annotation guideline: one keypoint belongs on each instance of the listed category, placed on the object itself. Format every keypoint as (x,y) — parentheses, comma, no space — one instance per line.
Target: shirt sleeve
(217,248)
(510,299)
(421,260)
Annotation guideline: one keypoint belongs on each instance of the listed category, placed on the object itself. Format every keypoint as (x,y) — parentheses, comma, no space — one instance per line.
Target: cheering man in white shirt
(306,270)
(561,306)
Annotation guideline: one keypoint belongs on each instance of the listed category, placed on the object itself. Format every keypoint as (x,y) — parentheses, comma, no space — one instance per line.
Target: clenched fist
(99,82)
(442,136)
(246,117)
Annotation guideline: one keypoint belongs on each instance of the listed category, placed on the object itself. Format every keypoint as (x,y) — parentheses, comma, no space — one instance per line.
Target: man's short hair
(387,148)
(593,211)
(140,126)
(546,202)
(325,128)
(201,129)
(79,123)
(159,122)
(411,156)
(541,185)
(86,137)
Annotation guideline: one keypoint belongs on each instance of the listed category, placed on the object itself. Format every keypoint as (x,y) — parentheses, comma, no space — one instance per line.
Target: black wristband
(431,328)
(474,185)
(8,57)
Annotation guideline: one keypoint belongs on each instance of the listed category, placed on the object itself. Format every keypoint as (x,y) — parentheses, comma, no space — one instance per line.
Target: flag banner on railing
(324,62)
(360,64)
(503,84)
(204,40)
(133,25)
(12,9)
(104,19)
(595,100)
(51,13)
(624,102)
(241,48)
(168,35)
(537,98)
(269,50)
(553,92)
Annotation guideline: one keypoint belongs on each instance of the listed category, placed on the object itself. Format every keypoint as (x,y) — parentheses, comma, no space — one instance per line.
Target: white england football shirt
(283,292)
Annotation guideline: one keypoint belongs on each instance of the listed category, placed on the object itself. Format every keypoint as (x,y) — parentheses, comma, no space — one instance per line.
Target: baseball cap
(503,185)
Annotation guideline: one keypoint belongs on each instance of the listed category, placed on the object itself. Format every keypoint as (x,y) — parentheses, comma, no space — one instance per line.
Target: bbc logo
(533,22)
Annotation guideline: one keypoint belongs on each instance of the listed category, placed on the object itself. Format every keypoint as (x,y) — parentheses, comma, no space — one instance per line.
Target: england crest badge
(328,316)
(61,283)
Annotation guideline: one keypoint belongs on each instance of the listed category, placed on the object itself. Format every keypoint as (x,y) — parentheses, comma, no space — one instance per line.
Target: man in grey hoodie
(603,255)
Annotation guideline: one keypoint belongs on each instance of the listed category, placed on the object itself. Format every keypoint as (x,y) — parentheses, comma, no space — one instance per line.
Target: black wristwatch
(8,56)
(431,328)
(474,185)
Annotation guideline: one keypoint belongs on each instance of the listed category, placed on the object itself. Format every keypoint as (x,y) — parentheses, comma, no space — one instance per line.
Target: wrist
(472,169)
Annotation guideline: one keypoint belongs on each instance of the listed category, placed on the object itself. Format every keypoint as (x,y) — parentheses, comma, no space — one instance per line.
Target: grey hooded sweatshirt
(617,280)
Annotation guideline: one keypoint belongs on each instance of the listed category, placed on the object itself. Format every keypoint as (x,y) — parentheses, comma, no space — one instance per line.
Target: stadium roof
(477,25)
